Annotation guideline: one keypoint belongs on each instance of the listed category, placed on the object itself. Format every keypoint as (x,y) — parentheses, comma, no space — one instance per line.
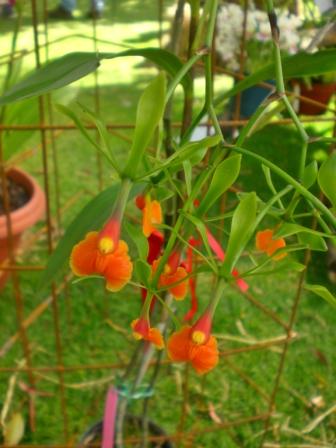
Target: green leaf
(91,217)
(74,66)
(327,178)
(224,176)
(296,66)
(322,292)
(71,114)
(187,168)
(142,272)
(192,151)
(149,114)
(103,132)
(289,228)
(195,151)
(310,174)
(139,239)
(242,227)
(314,242)
(53,75)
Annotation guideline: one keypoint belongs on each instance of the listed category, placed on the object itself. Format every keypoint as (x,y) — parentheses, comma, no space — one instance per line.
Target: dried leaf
(14,430)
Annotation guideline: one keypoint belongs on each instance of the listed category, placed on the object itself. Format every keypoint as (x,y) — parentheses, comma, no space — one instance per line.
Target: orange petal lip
(176,281)
(266,243)
(203,357)
(151,216)
(142,330)
(116,267)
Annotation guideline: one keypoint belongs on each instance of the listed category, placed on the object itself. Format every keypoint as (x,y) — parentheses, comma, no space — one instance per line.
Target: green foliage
(327,178)
(138,238)
(242,227)
(74,66)
(310,174)
(297,66)
(224,176)
(323,292)
(142,272)
(149,114)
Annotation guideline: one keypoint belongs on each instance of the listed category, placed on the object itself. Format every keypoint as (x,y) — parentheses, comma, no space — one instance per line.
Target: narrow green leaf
(91,217)
(192,151)
(327,178)
(310,174)
(280,267)
(296,66)
(142,272)
(314,242)
(187,168)
(323,292)
(242,227)
(289,228)
(53,75)
(149,114)
(195,151)
(138,238)
(200,226)
(224,176)
(103,132)
(71,114)
(74,66)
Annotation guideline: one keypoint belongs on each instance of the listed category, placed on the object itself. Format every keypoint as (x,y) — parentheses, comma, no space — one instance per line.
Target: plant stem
(290,180)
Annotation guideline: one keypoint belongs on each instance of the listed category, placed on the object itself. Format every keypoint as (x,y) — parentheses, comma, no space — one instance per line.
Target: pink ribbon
(109,418)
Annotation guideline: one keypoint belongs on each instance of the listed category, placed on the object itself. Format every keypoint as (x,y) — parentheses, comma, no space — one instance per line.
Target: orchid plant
(258,47)
(188,179)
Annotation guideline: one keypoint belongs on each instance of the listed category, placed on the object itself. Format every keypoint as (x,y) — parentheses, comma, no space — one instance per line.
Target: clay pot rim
(29,213)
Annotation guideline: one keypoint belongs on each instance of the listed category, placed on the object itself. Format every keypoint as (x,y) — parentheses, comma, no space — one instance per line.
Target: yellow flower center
(106,245)
(137,336)
(167,269)
(198,337)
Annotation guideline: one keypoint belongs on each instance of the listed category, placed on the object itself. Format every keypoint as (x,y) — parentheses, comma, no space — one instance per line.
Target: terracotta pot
(318,92)
(21,218)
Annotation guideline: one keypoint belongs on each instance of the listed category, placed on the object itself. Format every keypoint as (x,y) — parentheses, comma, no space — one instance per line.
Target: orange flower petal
(276,245)
(155,337)
(266,243)
(84,254)
(147,333)
(152,214)
(180,290)
(204,357)
(156,212)
(263,239)
(178,345)
(115,267)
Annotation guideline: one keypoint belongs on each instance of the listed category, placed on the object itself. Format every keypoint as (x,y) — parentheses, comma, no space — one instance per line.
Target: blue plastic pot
(250,99)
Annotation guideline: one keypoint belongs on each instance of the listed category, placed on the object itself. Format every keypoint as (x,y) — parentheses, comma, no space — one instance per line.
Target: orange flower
(151,213)
(266,243)
(183,346)
(173,275)
(94,255)
(142,330)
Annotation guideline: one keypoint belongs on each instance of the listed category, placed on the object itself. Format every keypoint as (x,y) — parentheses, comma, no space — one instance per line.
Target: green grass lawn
(94,325)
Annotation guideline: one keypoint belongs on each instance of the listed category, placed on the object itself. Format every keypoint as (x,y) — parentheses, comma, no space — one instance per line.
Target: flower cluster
(258,36)
(104,253)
